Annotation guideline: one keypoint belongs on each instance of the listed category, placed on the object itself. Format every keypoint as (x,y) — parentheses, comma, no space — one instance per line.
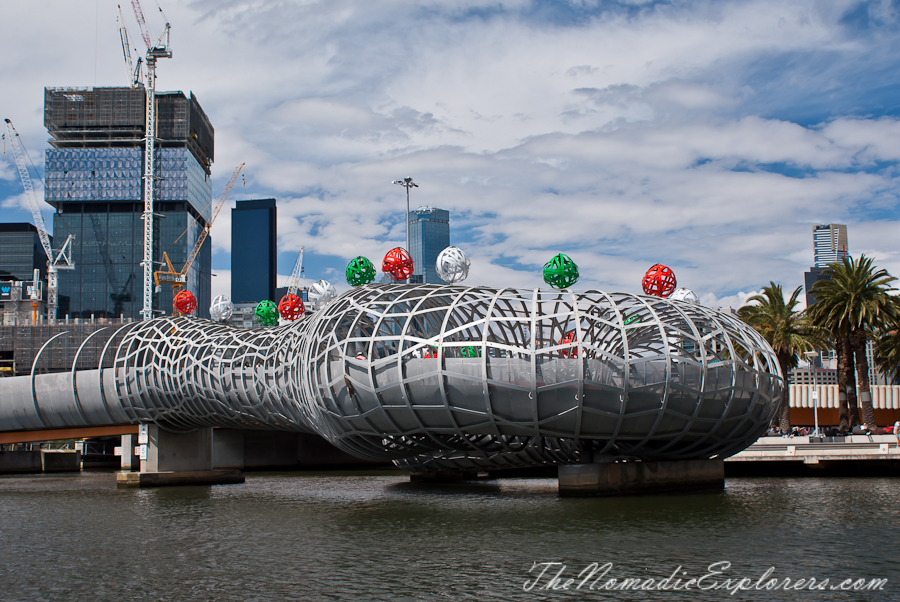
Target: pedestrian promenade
(855,455)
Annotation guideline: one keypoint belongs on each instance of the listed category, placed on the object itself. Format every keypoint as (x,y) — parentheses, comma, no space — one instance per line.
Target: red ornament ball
(397,264)
(184,303)
(291,307)
(659,281)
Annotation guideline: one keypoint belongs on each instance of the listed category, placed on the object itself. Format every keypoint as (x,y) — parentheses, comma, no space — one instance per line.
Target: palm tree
(887,352)
(788,332)
(855,298)
(887,345)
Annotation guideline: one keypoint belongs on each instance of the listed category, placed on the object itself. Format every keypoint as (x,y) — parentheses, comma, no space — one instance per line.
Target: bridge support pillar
(127,452)
(178,459)
(628,478)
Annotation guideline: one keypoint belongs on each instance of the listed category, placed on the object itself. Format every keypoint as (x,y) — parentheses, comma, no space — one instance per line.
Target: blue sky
(709,136)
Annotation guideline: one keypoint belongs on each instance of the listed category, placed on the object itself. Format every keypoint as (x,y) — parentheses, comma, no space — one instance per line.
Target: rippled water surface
(334,536)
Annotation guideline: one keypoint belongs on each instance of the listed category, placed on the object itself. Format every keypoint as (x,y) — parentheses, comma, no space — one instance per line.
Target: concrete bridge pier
(178,459)
(128,458)
(609,478)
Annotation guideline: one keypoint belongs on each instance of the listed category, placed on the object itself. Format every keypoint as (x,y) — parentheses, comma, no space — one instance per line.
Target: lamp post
(407,183)
(811,356)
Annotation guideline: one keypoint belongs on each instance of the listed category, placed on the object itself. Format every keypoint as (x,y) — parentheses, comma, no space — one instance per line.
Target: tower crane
(62,260)
(291,306)
(134,73)
(294,282)
(177,279)
(159,50)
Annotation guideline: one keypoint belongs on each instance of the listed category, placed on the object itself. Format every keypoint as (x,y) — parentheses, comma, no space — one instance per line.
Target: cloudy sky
(709,136)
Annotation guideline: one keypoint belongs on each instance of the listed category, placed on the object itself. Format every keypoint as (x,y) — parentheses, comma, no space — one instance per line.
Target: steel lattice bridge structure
(438,378)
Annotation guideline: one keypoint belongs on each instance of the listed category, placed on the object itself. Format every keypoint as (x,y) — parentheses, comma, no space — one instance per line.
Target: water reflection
(329,536)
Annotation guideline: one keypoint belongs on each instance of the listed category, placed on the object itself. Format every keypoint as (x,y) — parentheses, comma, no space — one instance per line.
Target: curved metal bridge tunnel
(437,378)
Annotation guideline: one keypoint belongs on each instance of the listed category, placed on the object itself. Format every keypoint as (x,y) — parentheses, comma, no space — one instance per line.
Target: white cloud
(628,138)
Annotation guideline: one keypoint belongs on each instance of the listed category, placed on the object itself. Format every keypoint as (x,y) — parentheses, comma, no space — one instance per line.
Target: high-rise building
(829,244)
(429,234)
(21,252)
(809,280)
(254,258)
(93,177)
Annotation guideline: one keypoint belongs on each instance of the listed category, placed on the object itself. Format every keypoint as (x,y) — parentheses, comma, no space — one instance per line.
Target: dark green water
(325,536)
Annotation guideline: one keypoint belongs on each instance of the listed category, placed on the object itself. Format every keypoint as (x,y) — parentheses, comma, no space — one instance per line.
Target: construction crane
(62,260)
(133,73)
(178,278)
(159,50)
(291,306)
(294,282)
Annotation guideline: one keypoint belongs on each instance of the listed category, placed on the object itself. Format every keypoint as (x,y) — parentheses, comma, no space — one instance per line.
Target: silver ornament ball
(453,265)
(221,309)
(321,293)
(685,294)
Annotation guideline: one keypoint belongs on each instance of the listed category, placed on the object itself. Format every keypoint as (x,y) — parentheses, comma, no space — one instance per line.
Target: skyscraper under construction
(93,179)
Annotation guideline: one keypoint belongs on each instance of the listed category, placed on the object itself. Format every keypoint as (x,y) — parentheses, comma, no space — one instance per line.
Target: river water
(375,536)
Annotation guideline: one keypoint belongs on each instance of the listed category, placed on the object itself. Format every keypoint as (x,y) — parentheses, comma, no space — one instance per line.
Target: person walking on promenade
(897,433)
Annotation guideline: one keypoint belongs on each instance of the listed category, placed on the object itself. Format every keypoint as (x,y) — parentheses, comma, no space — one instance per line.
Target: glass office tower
(429,234)
(21,252)
(93,178)
(254,239)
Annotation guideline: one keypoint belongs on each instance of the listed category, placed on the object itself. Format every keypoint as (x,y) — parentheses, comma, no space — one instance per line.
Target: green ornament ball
(360,271)
(560,272)
(266,313)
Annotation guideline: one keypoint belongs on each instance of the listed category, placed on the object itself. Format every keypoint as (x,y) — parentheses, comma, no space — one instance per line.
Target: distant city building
(429,234)
(243,312)
(254,262)
(243,315)
(93,177)
(804,376)
(809,280)
(829,244)
(21,252)
(302,292)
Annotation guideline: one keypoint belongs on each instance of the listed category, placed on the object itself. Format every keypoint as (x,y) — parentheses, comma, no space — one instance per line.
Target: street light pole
(811,355)
(407,183)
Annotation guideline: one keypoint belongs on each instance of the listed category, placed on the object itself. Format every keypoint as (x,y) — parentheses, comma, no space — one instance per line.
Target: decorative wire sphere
(685,294)
(221,309)
(360,271)
(659,281)
(266,314)
(560,272)
(184,303)
(291,307)
(452,265)
(397,264)
(321,293)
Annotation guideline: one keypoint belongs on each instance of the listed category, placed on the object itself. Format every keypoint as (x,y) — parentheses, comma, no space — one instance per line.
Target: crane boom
(126,49)
(63,259)
(19,155)
(294,283)
(177,279)
(142,23)
(222,196)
